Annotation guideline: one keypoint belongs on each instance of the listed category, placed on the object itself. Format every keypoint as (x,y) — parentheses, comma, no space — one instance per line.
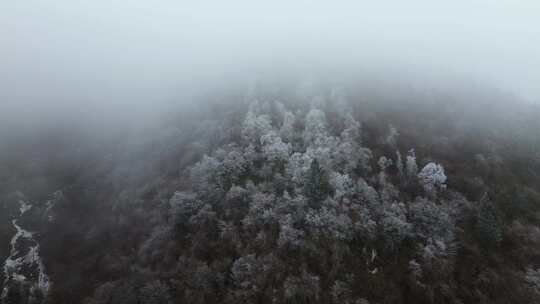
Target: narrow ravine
(24,267)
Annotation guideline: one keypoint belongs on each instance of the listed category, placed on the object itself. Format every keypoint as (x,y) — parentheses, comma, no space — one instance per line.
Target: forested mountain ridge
(303,194)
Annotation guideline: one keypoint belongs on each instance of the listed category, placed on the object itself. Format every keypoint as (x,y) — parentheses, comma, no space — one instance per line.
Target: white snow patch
(24,206)
(13,266)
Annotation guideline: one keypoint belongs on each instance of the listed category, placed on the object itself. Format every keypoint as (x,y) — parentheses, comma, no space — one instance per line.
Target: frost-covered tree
(287,128)
(203,173)
(350,156)
(294,206)
(250,154)
(315,130)
(261,210)
(394,225)
(298,167)
(327,152)
(330,221)
(432,177)
(352,131)
(274,149)
(233,165)
(219,172)
(237,194)
(183,206)
(342,185)
(367,193)
(255,126)
(431,220)
(349,152)
(384,163)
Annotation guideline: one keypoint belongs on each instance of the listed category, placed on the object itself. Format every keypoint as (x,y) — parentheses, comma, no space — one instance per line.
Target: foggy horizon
(90,57)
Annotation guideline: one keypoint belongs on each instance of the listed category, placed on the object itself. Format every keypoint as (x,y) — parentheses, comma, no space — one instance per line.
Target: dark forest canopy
(286,192)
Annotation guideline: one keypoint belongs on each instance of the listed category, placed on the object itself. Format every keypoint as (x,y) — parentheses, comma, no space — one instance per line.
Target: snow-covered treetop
(315,127)
(432,176)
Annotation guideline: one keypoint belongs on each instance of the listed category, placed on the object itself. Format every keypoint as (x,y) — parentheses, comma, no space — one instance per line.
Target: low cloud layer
(84,58)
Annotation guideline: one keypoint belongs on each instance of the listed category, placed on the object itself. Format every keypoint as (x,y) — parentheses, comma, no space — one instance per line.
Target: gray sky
(88,55)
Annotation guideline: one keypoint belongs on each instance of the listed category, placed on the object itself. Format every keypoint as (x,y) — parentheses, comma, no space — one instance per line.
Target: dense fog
(90,58)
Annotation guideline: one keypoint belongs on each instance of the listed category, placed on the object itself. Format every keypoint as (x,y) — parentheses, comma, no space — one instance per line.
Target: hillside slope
(291,194)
